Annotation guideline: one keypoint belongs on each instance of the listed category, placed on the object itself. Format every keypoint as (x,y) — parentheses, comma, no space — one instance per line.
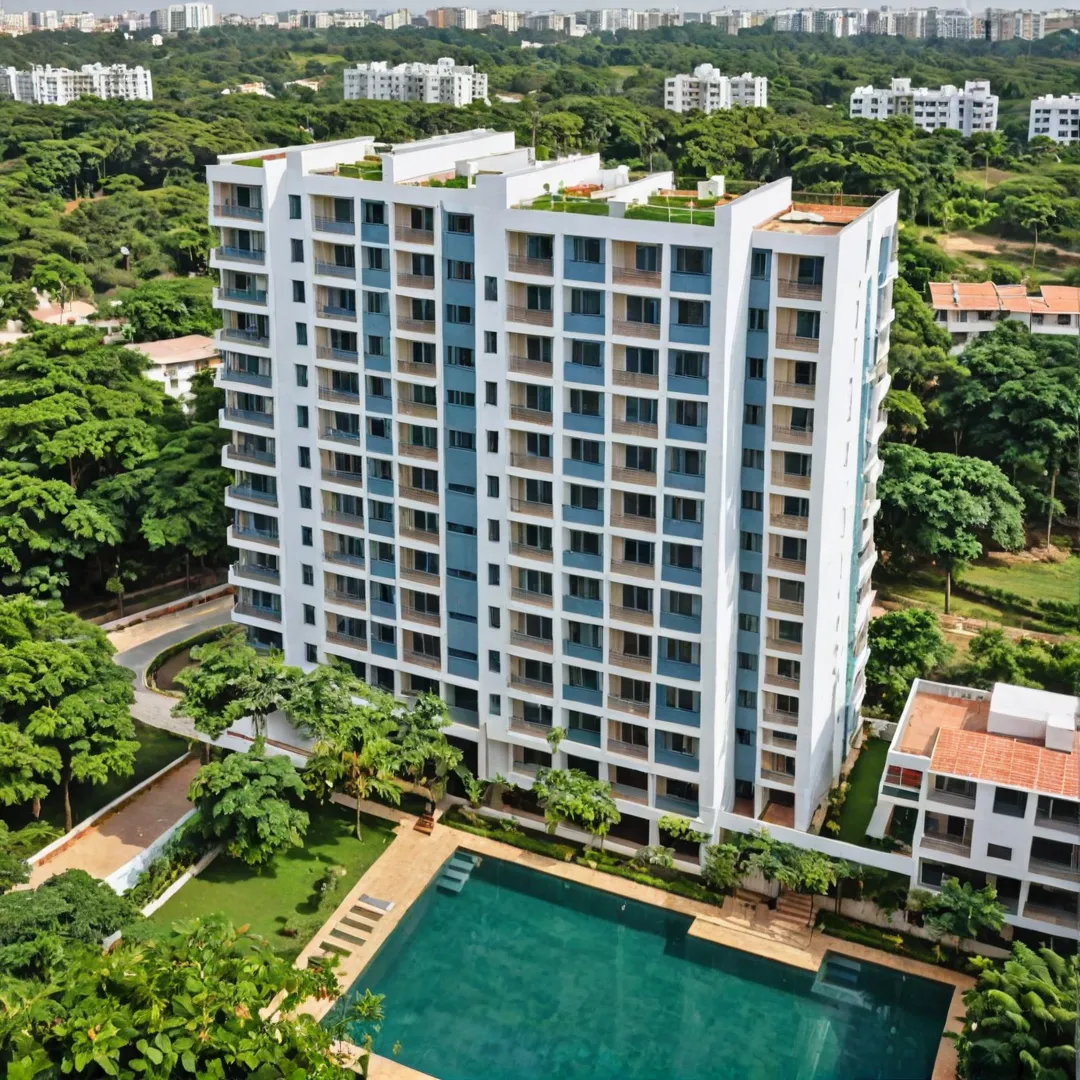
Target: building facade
(707,90)
(589,471)
(990,783)
(59,86)
(177,17)
(1057,118)
(968,111)
(443,83)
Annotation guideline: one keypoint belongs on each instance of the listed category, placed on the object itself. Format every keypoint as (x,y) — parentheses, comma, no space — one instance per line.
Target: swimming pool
(522,976)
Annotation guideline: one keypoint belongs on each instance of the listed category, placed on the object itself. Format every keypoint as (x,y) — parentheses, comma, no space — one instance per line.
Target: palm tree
(1020,1018)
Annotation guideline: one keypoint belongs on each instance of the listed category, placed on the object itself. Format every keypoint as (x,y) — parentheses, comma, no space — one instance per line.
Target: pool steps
(353,929)
(456,872)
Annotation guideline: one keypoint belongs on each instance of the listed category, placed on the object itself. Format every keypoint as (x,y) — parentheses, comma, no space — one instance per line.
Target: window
(491,288)
(587,249)
(459,223)
(691,313)
(465,398)
(295,207)
(376,346)
(752,500)
(755,367)
(460,356)
(642,309)
(587,403)
(459,270)
(460,440)
(491,393)
(586,450)
(759,318)
(754,414)
(744,737)
(997,851)
(495,704)
(494,663)
(690,365)
(753,459)
(304,456)
(376,303)
(301,416)
(749,623)
(306,536)
(297,249)
(301,333)
(458,313)
(491,341)
(746,699)
(691,260)
(746,661)
(493,530)
(298,292)
(307,572)
(759,264)
(647,258)
(493,442)
(493,487)
(494,618)
(642,361)
(1009,802)
(309,614)
(375,258)
(587,353)
(374,213)
(305,497)
(583,497)
(493,573)
(689,413)
(808,324)
(750,541)
(586,302)
(749,582)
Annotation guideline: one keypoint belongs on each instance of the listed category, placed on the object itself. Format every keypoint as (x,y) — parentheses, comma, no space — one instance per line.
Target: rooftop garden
(564,203)
(675,209)
(368,169)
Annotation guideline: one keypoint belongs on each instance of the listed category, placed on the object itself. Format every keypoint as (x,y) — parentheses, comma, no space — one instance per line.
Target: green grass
(862,793)
(157,749)
(673,214)
(265,897)
(1033,580)
(569,205)
(624,71)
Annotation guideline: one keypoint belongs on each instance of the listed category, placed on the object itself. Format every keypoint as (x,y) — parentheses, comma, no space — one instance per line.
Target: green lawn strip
(1032,580)
(157,749)
(890,941)
(862,793)
(287,888)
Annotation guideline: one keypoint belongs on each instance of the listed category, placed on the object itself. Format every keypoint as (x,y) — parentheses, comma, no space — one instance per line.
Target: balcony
(776,777)
(633,521)
(793,289)
(345,558)
(954,845)
(783,719)
(632,661)
(342,435)
(783,645)
(797,436)
(645,279)
(351,641)
(424,453)
(678,669)
(532,316)
(583,736)
(421,577)
(522,264)
(673,803)
(951,798)
(334,225)
(581,651)
(332,311)
(528,551)
(527,641)
(633,569)
(789,521)
(636,379)
(527,727)
(804,391)
(628,328)
(622,475)
(630,427)
(782,682)
(415,408)
(628,705)
(337,270)
(243,375)
(416,326)
(534,509)
(415,281)
(339,517)
(630,615)
(327,352)
(343,596)
(797,343)
(242,296)
(531,462)
(791,480)
(791,566)
(1060,916)
(530,416)
(255,255)
(246,491)
(248,416)
(526,596)
(256,572)
(343,397)
(422,495)
(630,794)
(628,749)
(414,236)
(1052,868)
(419,615)
(245,337)
(524,366)
(531,686)
(257,611)
(339,476)
(246,454)
(235,210)
(423,659)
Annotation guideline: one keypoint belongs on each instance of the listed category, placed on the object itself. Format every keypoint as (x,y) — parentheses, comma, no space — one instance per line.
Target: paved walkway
(137,645)
(117,839)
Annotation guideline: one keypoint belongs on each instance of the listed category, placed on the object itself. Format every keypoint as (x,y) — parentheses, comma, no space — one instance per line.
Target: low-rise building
(444,83)
(992,782)
(968,309)
(1057,118)
(708,90)
(175,361)
(968,111)
(46,85)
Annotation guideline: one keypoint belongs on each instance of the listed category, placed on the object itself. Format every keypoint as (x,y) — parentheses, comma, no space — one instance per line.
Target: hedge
(1063,613)
(178,647)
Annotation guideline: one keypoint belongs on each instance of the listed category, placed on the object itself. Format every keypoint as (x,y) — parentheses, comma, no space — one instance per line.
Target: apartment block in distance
(442,83)
(601,471)
(992,781)
(1057,118)
(707,90)
(58,86)
(969,110)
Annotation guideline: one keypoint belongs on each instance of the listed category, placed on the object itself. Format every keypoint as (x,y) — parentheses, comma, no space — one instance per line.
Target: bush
(888,941)
(182,850)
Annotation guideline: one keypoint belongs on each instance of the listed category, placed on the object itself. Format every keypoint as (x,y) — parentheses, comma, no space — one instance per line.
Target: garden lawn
(265,897)
(1032,580)
(861,798)
(157,749)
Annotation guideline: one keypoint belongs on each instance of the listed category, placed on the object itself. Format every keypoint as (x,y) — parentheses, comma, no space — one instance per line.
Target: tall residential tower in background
(599,470)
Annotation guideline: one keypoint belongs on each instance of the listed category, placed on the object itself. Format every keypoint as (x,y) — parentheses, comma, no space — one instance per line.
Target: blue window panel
(680,384)
(383,610)
(377,363)
(461,467)
(675,716)
(664,756)
(581,735)
(693,530)
(579,373)
(459,378)
(746,680)
(461,508)
(381,405)
(675,670)
(465,717)
(460,417)
(583,652)
(461,551)
(464,634)
(686,433)
(582,324)
(371,233)
(459,245)
(577,605)
(459,292)
(461,598)
(755,391)
(580,516)
(383,569)
(463,666)
(751,521)
(680,575)
(580,561)
(378,445)
(584,470)
(582,694)
(375,279)
(684,481)
(745,759)
(749,601)
(757,343)
(691,283)
(582,271)
(384,648)
(461,334)
(688,335)
(378,486)
(750,561)
(380,528)
(745,640)
(758,296)
(753,436)
(594,425)
(690,624)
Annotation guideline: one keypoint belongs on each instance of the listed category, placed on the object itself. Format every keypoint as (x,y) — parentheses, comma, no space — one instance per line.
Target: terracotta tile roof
(986,296)
(931,713)
(1061,298)
(998,759)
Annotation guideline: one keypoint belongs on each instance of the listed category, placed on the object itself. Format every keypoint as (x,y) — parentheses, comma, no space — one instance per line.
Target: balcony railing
(235,210)
(942,842)
(784,682)
(785,719)
(348,640)
(340,476)
(528,551)
(333,311)
(347,558)
(527,641)
(421,577)
(631,615)
(244,296)
(622,475)
(633,521)
(794,522)
(628,705)
(799,436)
(343,397)
(258,611)
(782,388)
(338,270)
(252,378)
(529,597)
(344,435)
(783,645)
(524,366)
(412,656)
(631,427)
(628,749)
(637,379)
(246,491)
(778,777)
(530,416)
(787,607)
(419,495)
(328,352)
(417,408)
(1052,868)
(797,342)
(630,794)
(244,453)
(343,596)
(791,566)
(626,275)
(634,661)
(424,453)
(415,281)
(793,289)
(528,727)
(414,236)
(532,316)
(416,326)
(523,264)
(415,614)
(791,480)
(536,509)
(532,686)
(227,251)
(248,416)
(339,517)
(531,462)
(256,572)
(634,328)
(248,337)
(633,569)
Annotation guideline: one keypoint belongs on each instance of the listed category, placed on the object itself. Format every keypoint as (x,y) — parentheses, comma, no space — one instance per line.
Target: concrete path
(116,840)
(137,645)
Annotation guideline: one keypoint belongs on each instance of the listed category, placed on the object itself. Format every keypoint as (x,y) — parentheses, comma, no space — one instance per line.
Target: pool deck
(410,862)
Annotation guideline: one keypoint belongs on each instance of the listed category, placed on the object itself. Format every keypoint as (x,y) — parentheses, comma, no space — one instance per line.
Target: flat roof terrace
(931,713)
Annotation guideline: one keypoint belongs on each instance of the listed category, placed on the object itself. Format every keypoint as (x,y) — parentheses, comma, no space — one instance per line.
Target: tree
(28,769)
(247,802)
(16,847)
(574,796)
(424,757)
(1031,213)
(1020,1018)
(170,308)
(904,645)
(190,1002)
(233,681)
(62,281)
(72,906)
(962,910)
(944,507)
(63,692)
(721,868)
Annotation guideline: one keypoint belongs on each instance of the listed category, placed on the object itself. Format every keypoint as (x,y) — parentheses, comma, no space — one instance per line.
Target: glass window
(294,207)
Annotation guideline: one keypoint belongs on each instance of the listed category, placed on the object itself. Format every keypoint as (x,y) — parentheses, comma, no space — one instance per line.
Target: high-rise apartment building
(59,86)
(708,91)
(968,111)
(177,17)
(599,472)
(443,83)
(1057,118)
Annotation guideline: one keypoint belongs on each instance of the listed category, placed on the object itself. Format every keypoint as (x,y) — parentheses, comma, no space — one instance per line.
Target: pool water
(522,976)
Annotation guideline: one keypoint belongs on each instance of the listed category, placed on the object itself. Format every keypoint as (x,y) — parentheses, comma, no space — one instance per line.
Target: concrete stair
(425,824)
(456,872)
(351,931)
(794,911)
